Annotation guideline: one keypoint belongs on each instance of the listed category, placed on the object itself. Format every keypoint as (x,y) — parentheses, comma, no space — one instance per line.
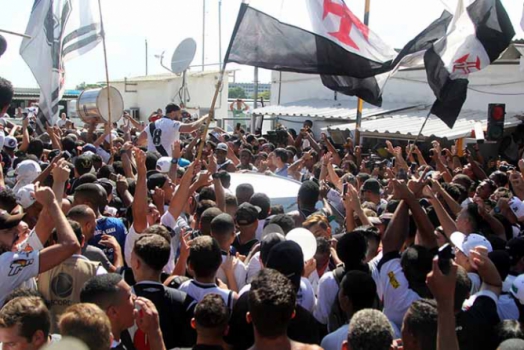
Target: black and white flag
(60,30)
(480,31)
(307,36)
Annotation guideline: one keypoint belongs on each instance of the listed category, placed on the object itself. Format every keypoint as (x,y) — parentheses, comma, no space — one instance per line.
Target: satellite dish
(183,56)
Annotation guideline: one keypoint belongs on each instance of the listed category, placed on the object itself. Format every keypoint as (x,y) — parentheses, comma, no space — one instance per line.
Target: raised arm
(25,135)
(67,243)
(140,207)
(190,127)
(398,228)
(448,224)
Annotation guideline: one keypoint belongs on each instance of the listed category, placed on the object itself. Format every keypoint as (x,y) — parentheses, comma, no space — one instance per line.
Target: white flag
(60,30)
(522,21)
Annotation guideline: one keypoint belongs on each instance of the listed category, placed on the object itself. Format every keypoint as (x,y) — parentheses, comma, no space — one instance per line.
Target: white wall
(411,87)
(152,95)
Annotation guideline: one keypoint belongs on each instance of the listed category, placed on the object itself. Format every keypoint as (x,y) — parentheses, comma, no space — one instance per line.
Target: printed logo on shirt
(62,285)
(393,280)
(18,265)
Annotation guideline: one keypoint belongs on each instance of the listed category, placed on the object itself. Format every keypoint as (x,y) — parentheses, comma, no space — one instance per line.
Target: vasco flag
(60,30)
(411,56)
(307,36)
(480,31)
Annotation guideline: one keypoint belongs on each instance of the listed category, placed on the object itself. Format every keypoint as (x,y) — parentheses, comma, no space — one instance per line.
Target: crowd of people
(124,238)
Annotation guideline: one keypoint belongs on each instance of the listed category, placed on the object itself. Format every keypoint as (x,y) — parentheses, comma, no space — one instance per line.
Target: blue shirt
(282,172)
(112,227)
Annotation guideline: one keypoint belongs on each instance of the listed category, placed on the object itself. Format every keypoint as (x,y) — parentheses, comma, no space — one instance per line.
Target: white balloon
(306,240)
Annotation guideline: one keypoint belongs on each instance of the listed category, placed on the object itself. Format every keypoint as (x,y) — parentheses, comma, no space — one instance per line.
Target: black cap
(288,259)
(172,108)
(156,180)
(107,184)
(246,214)
(371,185)
(515,249)
(8,221)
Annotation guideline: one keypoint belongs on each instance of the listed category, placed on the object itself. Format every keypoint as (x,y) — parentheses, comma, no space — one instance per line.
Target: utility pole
(360,105)
(203,34)
(255,106)
(147,59)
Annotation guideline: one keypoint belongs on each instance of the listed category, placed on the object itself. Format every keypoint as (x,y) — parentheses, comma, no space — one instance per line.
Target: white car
(279,189)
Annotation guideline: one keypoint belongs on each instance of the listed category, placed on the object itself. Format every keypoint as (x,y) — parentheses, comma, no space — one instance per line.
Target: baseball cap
(107,184)
(287,258)
(25,197)
(371,185)
(246,214)
(163,165)
(172,108)
(114,135)
(28,170)
(9,221)
(515,249)
(467,243)
(517,207)
(89,148)
(10,142)
(517,288)
(222,147)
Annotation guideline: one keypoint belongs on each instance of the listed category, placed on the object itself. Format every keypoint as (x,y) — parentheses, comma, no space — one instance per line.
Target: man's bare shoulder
(300,346)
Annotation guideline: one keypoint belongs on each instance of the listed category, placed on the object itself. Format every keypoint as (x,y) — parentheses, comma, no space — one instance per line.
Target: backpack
(337,317)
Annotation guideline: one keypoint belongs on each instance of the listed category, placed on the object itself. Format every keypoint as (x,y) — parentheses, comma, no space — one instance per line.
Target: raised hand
(44,195)
(61,171)
(176,150)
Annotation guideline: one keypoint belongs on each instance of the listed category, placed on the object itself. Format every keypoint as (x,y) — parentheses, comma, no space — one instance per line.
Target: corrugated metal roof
(167,76)
(36,92)
(407,124)
(326,109)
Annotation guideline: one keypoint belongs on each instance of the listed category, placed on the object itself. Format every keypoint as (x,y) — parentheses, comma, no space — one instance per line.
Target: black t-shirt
(303,328)
(476,326)
(244,249)
(207,347)
(175,310)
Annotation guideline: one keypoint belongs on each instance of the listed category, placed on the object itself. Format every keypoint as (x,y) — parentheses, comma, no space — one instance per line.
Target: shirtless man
(272,301)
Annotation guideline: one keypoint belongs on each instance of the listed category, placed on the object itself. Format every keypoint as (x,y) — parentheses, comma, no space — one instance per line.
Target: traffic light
(496,114)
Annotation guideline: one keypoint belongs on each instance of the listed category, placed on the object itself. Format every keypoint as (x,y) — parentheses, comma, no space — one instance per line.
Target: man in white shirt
(17,267)
(161,134)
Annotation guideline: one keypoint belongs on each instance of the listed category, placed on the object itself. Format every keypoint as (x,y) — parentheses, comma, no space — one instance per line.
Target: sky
(165,23)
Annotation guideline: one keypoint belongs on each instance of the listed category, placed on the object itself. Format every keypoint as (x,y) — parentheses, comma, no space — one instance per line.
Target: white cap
(517,207)
(517,288)
(28,170)
(10,142)
(467,243)
(114,135)
(25,197)
(222,147)
(163,165)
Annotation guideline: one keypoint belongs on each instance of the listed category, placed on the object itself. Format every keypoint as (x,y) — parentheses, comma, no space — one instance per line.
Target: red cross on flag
(307,36)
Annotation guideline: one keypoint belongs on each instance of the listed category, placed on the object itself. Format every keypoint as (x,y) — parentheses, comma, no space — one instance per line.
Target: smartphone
(66,155)
(413,167)
(431,153)
(443,153)
(445,255)
(393,162)
(345,188)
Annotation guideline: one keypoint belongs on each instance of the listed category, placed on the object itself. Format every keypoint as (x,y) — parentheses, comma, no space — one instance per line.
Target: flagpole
(107,78)
(360,104)
(13,33)
(418,136)
(211,115)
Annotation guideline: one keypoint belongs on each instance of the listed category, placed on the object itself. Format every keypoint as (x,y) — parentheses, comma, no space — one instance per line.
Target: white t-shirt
(475,282)
(398,297)
(240,274)
(506,308)
(15,269)
(253,267)
(198,291)
(132,237)
(508,282)
(327,293)
(166,133)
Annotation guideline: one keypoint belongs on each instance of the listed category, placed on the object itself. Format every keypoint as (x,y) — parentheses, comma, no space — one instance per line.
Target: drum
(92,105)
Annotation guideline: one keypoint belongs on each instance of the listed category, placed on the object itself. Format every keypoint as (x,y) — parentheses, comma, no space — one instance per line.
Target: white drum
(92,105)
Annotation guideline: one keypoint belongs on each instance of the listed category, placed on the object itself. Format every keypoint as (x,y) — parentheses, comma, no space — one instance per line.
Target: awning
(328,109)
(406,125)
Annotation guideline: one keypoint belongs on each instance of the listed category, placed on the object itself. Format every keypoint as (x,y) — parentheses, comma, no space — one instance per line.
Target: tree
(83,86)
(237,92)
(266,95)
